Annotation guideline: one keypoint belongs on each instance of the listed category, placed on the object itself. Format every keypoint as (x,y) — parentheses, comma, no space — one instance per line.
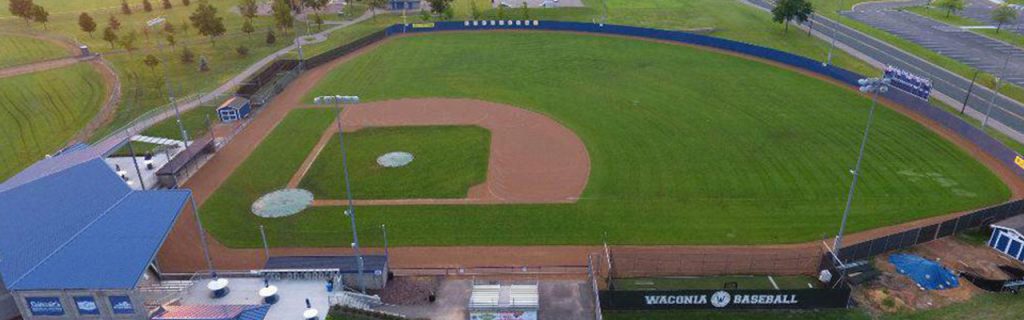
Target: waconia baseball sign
(726,299)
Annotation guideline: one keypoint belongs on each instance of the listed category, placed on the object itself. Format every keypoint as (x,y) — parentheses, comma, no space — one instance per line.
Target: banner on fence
(726,299)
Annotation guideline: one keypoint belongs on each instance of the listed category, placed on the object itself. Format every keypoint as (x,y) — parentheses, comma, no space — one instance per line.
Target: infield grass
(19,50)
(687,147)
(40,112)
(448,161)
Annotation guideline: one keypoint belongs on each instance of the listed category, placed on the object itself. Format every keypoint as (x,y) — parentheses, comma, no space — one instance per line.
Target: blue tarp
(928,274)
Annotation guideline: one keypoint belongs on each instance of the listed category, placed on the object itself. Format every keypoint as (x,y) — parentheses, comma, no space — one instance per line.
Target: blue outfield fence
(1007,157)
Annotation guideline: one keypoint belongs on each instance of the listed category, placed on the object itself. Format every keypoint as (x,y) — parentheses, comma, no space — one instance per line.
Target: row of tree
(29,11)
(148,6)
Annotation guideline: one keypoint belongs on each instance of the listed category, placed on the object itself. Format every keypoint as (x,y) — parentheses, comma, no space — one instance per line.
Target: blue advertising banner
(87,305)
(45,306)
(122,305)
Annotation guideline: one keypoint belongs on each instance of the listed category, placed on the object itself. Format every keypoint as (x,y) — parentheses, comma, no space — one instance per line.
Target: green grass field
(448,161)
(19,50)
(673,139)
(742,282)
(40,112)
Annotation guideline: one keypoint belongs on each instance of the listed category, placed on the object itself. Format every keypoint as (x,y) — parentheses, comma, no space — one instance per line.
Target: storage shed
(1008,237)
(234,109)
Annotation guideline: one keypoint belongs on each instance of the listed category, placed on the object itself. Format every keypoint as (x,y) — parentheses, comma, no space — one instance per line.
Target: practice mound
(282,203)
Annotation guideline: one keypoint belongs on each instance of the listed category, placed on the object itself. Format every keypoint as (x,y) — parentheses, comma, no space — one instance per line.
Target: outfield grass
(19,50)
(743,282)
(673,139)
(448,161)
(40,112)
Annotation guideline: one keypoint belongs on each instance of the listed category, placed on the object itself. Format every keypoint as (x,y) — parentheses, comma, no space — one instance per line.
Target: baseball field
(682,146)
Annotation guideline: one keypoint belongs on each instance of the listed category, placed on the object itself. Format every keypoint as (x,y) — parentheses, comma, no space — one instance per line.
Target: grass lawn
(40,112)
(743,282)
(194,121)
(18,50)
(66,7)
(667,149)
(464,8)
(448,161)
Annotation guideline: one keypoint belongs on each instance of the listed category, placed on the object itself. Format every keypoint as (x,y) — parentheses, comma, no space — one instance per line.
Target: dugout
(1008,237)
(342,269)
(78,242)
(179,168)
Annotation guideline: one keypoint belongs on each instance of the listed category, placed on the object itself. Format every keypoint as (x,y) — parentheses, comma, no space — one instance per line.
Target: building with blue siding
(76,241)
(1008,237)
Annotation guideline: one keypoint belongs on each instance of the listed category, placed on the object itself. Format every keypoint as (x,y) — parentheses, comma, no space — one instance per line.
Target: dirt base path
(533,159)
(181,251)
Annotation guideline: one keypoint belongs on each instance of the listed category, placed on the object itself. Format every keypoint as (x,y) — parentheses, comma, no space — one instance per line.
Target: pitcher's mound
(282,203)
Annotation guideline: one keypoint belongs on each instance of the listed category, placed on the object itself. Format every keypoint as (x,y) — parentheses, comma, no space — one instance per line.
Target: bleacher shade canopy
(343,264)
(72,223)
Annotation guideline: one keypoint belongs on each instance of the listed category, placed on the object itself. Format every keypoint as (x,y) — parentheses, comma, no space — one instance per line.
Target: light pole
(999,82)
(167,81)
(337,101)
(835,30)
(875,86)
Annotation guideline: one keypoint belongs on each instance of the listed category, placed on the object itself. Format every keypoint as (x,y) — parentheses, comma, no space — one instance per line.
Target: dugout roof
(1015,223)
(344,264)
(77,225)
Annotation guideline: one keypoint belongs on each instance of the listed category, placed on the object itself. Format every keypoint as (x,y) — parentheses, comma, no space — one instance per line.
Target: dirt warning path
(533,159)
(181,251)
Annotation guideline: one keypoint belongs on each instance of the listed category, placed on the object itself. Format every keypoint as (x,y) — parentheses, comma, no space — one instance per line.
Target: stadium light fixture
(874,86)
(337,101)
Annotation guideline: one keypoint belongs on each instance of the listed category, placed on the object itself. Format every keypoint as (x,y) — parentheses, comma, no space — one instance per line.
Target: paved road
(1007,114)
(228,87)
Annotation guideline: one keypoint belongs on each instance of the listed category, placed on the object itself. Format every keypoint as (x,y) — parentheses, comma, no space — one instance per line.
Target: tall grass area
(40,112)
(18,50)
(673,139)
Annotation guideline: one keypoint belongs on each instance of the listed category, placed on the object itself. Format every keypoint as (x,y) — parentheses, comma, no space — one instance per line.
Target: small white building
(1008,237)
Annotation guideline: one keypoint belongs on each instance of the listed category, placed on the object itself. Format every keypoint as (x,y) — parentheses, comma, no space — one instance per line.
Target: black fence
(343,50)
(266,76)
(927,233)
(726,299)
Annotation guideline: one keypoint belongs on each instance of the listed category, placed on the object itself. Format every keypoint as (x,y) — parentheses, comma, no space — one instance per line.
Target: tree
(125,9)
(271,38)
(424,15)
(316,5)
(248,8)
(109,36)
(501,12)
(86,23)
(204,65)
(187,56)
(242,50)
(147,6)
(21,8)
(449,13)
(170,40)
(167,4)
(207,22)
(475,11)
(39,14)
(128,41)
(247,28)
(319,22)
(186,2)
(789,10)
(113,23)
(151,61)
(184,27)
(525,11)
(376,4)
(438,6)
(282,12)
(169,27)
(1003,14)
(949,5)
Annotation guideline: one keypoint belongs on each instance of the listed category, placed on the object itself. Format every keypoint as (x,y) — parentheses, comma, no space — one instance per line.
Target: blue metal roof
(82,228)
(63,161)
